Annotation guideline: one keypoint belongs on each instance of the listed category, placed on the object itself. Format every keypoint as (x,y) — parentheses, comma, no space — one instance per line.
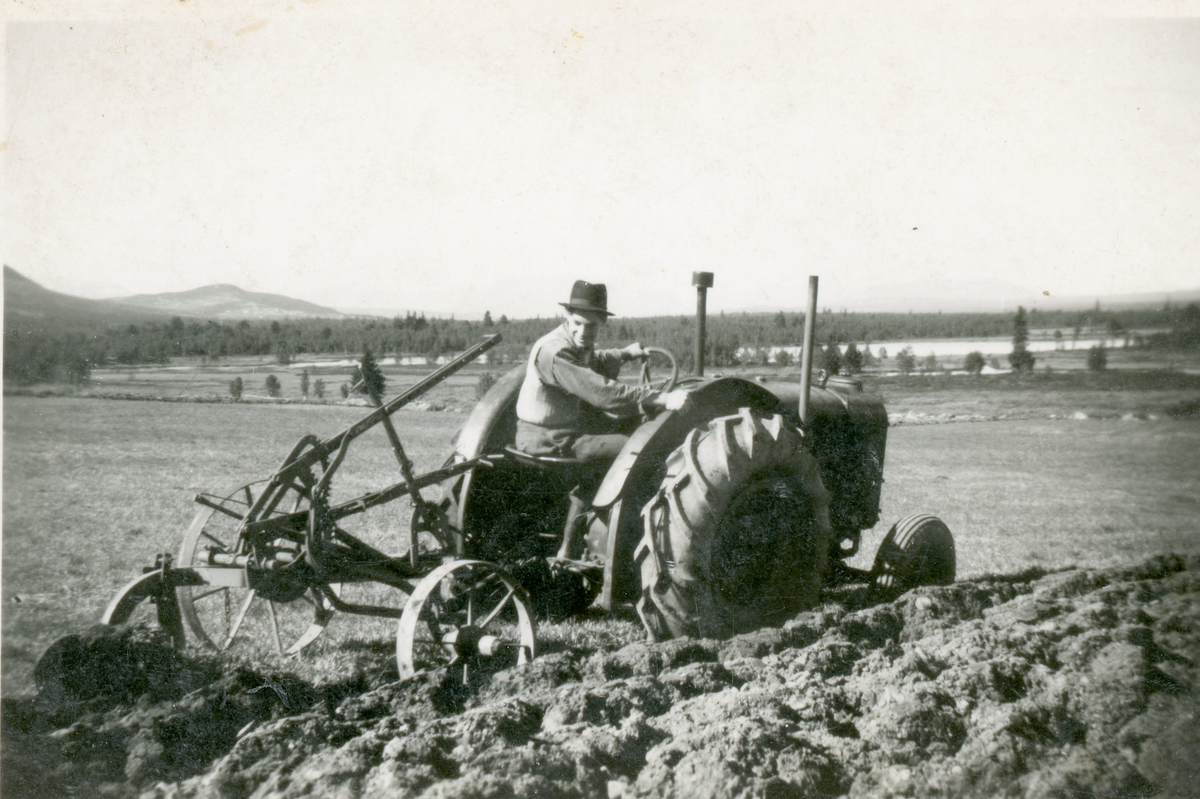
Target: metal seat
(583,477)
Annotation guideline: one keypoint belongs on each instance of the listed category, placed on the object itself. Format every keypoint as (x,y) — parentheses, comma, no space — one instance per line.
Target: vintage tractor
(727,515)
(733,512)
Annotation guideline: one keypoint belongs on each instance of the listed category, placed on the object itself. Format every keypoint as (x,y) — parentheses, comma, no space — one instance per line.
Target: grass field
(191,378)
(1134,378)
(93,489)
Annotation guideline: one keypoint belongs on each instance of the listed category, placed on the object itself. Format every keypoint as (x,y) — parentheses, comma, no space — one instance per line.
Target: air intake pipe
(806,359)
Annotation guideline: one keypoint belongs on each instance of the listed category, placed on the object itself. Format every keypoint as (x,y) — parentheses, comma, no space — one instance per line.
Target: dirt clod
(1080,682)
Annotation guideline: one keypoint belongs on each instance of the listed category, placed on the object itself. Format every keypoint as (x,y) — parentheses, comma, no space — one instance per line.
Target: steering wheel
(667,384)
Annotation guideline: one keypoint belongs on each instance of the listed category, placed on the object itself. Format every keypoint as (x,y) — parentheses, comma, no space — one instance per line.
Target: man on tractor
(571,404)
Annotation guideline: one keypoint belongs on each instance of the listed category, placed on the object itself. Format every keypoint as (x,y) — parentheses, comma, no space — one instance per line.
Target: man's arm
(602,393)
(608,362)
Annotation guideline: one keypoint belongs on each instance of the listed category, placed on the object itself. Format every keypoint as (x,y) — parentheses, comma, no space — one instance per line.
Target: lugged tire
(918,550)
(738,534)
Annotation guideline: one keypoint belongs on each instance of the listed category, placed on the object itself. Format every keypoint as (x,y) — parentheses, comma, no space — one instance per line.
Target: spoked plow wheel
(284,614)
(461,615)
(918,550)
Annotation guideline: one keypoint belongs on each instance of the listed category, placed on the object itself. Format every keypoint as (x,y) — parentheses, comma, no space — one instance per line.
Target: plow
(269,560)
(733,512)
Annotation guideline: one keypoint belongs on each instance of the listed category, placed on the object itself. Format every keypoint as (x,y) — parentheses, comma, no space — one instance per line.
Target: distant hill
(32,305)
(225,302)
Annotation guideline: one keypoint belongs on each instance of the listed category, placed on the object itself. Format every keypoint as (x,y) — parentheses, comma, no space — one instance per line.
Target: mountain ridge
(31,304)
(225,301)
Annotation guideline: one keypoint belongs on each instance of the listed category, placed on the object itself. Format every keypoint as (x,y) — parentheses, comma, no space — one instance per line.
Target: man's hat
(587,296)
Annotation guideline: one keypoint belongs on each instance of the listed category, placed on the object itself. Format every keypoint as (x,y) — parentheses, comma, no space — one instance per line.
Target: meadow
(94,488)
(199,377)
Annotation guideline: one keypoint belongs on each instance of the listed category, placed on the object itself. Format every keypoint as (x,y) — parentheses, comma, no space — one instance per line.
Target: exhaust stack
(703,282)
(810,322)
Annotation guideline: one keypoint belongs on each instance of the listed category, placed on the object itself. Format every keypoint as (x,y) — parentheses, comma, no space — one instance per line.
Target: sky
(461,157)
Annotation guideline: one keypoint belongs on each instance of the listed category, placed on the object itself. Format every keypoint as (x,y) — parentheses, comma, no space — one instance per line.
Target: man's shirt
(560,377)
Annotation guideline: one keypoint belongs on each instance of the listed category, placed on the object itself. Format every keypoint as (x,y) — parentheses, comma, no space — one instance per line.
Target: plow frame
(288,543)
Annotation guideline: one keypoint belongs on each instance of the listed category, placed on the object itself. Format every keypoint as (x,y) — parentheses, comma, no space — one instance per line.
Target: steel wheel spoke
(198,597)
(216,541)
(486,580)
(237,624)
(488,619)
(274,626)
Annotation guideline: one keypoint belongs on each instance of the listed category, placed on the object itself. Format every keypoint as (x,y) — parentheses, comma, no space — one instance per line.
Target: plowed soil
(1072,683)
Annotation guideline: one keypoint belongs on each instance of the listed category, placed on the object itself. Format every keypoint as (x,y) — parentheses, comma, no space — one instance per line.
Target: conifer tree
(370,379)
(1021,359)
(852,359)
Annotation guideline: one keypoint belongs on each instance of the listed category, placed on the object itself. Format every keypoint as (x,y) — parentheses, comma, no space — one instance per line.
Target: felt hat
(587,296)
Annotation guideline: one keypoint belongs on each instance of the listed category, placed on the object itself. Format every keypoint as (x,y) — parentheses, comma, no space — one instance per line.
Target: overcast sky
(462,157)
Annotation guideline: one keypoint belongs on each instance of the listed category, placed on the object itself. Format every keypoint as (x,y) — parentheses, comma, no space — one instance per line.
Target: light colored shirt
(560,376)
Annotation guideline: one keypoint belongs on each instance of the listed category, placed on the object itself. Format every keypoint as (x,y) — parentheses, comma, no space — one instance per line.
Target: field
(1063,372)
(190,378)
(1072,471)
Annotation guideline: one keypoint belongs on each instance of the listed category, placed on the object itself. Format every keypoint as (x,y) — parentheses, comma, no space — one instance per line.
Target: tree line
(62,351)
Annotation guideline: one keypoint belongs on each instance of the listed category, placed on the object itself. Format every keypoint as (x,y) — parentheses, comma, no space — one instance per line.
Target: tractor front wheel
(738,534)
(918,550)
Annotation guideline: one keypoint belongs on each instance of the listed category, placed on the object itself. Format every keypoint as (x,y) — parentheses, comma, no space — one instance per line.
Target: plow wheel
(918,550)
(738,534)
(462,614)
(284,614)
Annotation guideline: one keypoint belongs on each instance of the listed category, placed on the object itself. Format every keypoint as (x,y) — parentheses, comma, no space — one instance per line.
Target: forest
(65,350)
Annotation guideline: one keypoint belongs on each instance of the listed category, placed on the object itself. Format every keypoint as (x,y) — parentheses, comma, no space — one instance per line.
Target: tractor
(732,513)
(722,517)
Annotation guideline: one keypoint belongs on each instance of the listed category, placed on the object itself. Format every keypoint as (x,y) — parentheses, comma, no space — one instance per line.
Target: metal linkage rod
(295,522)
(326,448)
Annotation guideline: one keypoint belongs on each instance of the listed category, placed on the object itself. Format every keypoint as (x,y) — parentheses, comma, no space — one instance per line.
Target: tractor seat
(584,474)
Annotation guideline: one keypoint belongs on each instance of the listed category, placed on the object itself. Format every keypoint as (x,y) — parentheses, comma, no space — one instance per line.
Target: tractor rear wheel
(738,534)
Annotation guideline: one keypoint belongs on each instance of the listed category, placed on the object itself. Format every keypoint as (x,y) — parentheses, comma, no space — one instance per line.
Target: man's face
(584,326)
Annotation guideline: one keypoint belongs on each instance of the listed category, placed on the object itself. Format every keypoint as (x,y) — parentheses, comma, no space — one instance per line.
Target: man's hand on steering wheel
(635,352)
(663,395)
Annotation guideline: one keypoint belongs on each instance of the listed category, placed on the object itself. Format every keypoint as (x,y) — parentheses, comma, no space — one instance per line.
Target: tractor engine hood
(839,395)
(840,410)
